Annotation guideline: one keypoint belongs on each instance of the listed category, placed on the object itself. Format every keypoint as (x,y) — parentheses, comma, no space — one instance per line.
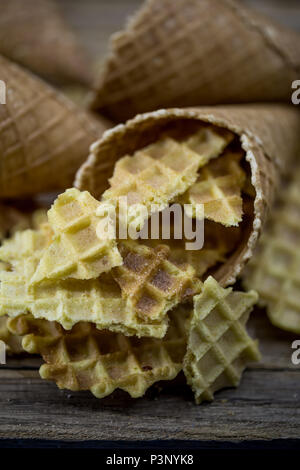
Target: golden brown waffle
(274,270)
(13,342)
(86,358)
(219,347)
(218,188)
(45,138)
(151,281)
(191,47)
(76,251)
(35,35)
(163,170)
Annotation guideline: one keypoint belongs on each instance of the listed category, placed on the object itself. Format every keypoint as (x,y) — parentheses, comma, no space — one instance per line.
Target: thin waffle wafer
(218,188)
(274,270)
(151,281)
(34,34)
(86,358)
(45,137)
(219,347)
(163,170)
(13,342)
(204,52)
(76,251)
(68,302)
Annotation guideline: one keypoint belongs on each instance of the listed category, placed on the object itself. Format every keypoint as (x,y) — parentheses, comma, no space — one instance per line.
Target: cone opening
(125,140)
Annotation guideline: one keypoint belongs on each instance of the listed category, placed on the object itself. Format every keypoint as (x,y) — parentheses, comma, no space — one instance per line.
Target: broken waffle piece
(274,270)
(12,341)
(87,358)
(151,281)
(77,251)
(219,347)
(72,301)
(69,301)
(158,173)
(218,188)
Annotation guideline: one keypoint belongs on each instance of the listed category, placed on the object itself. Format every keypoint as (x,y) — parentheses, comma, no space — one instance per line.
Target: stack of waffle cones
(107,313)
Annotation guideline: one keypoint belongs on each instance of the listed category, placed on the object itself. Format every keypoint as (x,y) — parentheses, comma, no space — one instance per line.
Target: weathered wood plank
(265,406)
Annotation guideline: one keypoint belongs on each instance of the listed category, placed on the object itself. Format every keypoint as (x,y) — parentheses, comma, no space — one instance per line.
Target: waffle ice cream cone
(196,52)
(45,138)
(219,347)
(267,134)
(34,34)
(274,270)
(87,358)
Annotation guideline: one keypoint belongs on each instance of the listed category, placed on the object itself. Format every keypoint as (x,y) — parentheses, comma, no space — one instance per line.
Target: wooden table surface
(265,406)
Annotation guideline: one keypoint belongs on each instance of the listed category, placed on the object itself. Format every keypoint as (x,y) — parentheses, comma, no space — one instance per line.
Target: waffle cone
(268,134)
(34,34)
(196,52)
(44,137)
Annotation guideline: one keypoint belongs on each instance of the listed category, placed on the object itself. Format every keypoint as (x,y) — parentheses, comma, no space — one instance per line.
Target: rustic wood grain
(265,406)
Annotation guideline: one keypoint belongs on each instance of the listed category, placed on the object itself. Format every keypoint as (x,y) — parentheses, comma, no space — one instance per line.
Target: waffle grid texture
(44,138)
(218,188)
(86,358)
(171,42)
(77,251)
(152,282)
(274,270)
(219,347)
(158,173)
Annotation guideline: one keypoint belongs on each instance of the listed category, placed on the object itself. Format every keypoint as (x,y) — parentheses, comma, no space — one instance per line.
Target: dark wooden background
(267,404)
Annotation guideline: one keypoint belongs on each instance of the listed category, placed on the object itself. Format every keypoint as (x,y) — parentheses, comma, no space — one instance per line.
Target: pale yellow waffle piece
(219,347)
(38,218)
(156,174)
(274,270)
(76,251)
(87,358)
(13,342)
(26,247)
(71,301)
(68,301)
(218,188)
(151,281)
